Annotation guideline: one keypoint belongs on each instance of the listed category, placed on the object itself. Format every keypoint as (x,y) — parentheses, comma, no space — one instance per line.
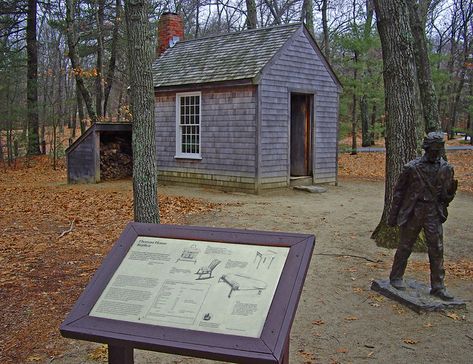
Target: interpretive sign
(189,284)
(213,293)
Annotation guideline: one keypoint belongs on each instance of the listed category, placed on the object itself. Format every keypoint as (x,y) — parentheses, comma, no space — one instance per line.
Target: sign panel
(222,294)
(197,285)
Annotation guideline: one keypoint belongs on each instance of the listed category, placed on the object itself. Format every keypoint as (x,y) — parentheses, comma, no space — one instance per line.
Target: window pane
(189,120)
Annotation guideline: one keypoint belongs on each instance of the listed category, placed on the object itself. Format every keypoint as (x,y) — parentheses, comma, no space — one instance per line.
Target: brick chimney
(170,31)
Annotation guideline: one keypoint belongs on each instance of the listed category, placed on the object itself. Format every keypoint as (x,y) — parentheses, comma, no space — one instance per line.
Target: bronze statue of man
(421,196)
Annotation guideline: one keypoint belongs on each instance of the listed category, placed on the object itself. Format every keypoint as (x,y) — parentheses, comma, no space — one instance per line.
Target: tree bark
(140,58)
(470,113)
(251,19)
(429,101)
(99,66)
(400,79)
(71,44)
(113,57)
(373,123)
(32,80)
(365,122)
(466,13)
(353,110)
(366,139)
(326,43)
(80,111)
(307,15)
(449,89)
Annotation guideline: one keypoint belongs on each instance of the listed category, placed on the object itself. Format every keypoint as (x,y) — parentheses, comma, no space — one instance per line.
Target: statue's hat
(434,140)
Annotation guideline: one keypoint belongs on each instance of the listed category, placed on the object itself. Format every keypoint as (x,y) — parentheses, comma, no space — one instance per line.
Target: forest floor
(53,236)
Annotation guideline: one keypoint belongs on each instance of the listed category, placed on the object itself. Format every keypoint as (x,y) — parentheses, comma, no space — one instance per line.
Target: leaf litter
(53,237)
(42,274)
(371,166)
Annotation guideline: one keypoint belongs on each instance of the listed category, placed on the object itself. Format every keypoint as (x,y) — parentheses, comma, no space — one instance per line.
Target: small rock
(311,189)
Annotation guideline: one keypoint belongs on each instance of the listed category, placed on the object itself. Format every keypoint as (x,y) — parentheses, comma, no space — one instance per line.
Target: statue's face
(433,154)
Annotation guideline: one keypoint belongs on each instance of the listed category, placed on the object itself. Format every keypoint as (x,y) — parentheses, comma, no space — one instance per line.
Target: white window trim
(180,154)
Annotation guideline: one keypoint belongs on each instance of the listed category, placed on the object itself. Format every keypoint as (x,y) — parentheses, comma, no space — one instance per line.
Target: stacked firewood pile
(116,159)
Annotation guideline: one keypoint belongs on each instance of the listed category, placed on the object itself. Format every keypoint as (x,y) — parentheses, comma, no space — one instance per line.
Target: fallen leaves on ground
(399,310)
(307,356)
(461,269)
(376,297)
(41,273)
(351,318)
(371,166)
(100,353)
(454,316)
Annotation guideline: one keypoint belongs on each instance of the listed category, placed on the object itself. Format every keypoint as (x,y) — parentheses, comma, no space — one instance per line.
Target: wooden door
(301,161)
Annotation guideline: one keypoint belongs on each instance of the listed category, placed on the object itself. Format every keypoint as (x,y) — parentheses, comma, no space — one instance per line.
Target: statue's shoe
(442,294)
(398,284)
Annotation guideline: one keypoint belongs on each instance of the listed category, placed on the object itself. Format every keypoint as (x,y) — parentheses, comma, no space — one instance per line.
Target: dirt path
(339,320)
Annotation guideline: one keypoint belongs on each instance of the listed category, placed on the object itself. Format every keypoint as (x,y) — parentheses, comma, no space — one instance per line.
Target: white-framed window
(188,128)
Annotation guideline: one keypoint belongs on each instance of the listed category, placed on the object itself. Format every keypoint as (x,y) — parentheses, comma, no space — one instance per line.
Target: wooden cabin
(245,111)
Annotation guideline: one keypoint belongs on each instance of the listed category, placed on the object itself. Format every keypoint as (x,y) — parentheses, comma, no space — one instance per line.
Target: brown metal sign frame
(122,336)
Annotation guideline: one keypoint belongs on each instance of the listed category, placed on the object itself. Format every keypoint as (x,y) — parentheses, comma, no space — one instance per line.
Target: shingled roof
(232,56)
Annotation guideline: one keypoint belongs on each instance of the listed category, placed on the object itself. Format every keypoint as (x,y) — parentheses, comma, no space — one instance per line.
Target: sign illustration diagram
(158,283)
(240,282)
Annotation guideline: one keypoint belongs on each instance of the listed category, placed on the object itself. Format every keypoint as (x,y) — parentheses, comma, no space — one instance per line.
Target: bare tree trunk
(9,129)
(119,106)
(32,80)
(451,67)
(466,12)
(429,102)
(71,43)
(113,58)
(373,123)
(197,20)
(54,141)
(100,50)
(326,43)
(307,15)
(140,58)
(80,111)
(353,110)
(400,79)
(366,139)
(470,113)
(60,114)
(365,122)
(274,9)
(74,122)
(10,143)
(251,20)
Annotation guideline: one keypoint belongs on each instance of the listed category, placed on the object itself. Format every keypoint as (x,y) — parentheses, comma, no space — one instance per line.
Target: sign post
(221,294)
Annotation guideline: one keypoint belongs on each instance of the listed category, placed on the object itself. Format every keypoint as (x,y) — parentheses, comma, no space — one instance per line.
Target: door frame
(311,95)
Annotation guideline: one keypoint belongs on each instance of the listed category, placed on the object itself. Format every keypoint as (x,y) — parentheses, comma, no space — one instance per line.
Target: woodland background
(63,63)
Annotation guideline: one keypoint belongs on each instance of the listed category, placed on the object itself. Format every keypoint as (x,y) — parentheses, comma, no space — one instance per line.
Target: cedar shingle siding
(245,80)
(298,68)
(227,145)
